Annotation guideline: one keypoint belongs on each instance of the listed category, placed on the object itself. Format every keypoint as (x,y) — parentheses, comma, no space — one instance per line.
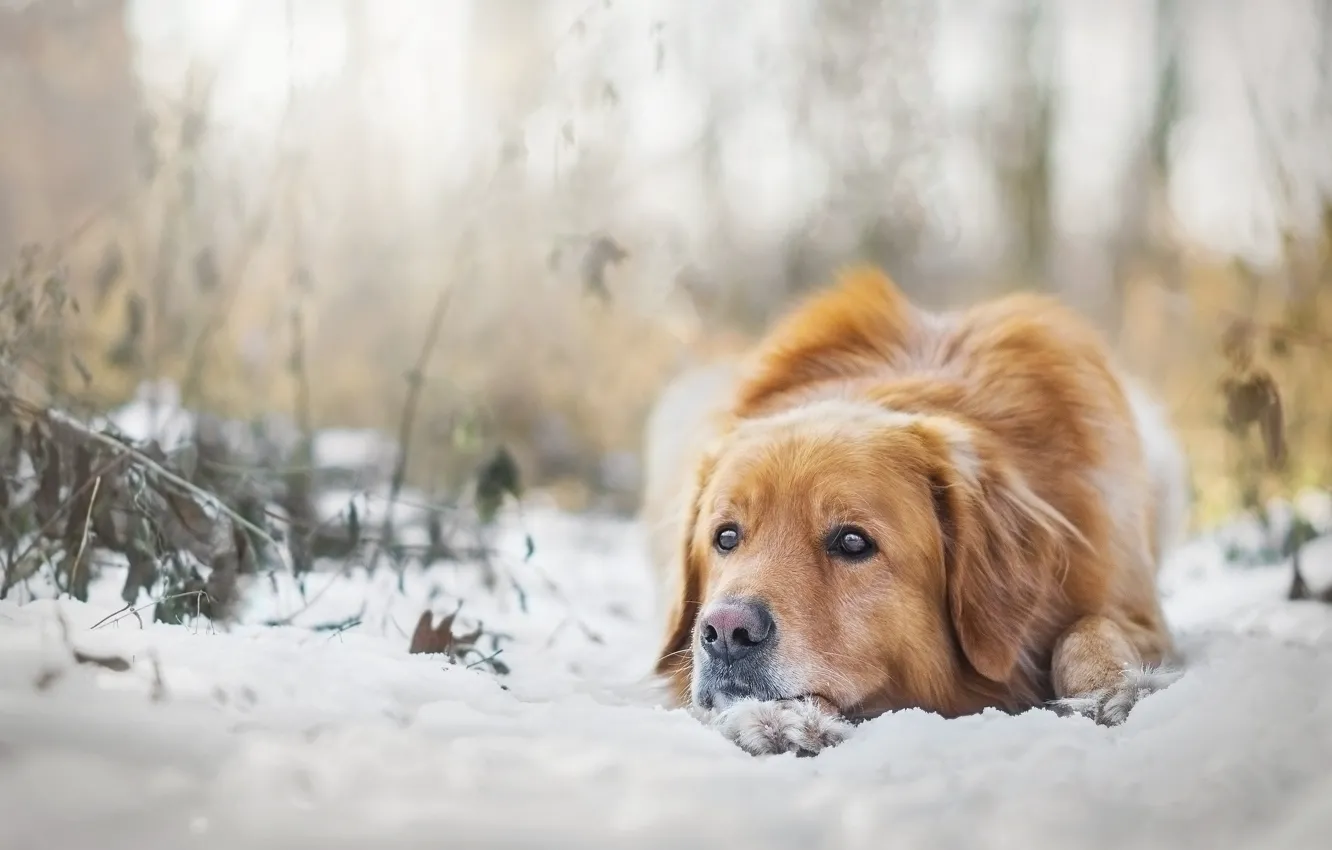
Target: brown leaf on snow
(429,639)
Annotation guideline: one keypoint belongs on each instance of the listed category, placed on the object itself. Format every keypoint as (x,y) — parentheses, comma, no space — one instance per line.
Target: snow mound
(325,733)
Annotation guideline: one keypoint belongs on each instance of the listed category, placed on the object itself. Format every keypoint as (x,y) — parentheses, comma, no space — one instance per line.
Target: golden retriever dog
(886,508)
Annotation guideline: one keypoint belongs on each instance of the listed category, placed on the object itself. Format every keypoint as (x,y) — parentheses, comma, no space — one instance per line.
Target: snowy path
(290,738)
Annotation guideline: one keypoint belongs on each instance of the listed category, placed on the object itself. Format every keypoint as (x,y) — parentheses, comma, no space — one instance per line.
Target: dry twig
(407,421)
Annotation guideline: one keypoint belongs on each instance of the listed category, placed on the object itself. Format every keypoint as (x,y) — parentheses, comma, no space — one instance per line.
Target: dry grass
(529,359)
(1176,338)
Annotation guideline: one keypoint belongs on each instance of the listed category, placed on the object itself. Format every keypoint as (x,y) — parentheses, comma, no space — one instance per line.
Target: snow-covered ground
(295,736)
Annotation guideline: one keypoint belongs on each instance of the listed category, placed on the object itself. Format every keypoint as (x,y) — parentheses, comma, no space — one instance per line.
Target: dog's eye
(726,538)
(850,543)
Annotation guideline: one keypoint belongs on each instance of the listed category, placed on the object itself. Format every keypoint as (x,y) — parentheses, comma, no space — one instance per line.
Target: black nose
(734,628)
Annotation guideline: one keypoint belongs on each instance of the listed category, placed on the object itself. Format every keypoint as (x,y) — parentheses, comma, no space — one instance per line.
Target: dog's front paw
(1111,706)
(800,726)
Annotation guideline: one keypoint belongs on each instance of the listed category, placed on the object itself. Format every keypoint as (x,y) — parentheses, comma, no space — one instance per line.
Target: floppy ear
(675,661)
(1002,551)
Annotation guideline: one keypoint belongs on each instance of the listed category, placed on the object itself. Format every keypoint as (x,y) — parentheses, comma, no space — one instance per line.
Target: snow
(295,736)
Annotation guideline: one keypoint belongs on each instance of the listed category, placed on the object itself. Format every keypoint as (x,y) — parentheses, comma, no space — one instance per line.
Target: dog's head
(835,547)
(856,554)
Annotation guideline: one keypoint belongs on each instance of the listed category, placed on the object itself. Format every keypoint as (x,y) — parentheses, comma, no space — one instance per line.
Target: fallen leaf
(429,639)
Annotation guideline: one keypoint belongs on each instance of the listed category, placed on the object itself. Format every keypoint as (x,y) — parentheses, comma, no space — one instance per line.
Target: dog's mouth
(722,700)
(724,697)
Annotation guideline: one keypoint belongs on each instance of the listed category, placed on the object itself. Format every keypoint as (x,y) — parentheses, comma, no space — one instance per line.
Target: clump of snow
(326,733)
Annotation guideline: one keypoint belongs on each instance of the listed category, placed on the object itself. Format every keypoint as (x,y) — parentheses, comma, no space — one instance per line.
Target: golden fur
(998,462)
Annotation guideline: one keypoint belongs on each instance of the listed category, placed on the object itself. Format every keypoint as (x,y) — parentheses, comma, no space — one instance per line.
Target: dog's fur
(1021,494)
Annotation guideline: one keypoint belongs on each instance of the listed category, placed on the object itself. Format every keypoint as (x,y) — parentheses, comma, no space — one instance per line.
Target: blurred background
(506,223)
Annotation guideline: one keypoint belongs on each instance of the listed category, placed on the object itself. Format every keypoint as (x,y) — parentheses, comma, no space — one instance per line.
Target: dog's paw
(799,726)
(1111,706)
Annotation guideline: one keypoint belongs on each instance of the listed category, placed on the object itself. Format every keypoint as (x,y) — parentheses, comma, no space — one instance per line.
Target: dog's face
(846,552)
